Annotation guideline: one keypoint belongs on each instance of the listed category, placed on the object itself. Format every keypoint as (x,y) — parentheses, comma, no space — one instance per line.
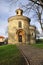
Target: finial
(19,11)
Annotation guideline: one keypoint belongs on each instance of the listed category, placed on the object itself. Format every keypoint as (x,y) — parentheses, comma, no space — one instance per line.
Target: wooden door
(20,38)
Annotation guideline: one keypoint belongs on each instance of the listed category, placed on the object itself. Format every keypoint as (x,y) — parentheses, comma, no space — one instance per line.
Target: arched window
(33,34)
(17,12)
(20,24)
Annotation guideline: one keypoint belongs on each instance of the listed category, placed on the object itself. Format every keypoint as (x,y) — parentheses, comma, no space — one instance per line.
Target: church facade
(19,29)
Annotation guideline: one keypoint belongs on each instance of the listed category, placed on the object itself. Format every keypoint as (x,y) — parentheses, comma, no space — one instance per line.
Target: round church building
(19,29)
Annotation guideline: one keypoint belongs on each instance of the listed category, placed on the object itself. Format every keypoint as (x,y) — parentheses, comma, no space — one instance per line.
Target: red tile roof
(2,37)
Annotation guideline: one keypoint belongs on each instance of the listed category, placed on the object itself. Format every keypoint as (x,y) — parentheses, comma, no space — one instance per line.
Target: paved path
(34,55)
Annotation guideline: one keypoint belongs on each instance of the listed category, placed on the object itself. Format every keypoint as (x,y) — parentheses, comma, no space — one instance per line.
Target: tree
(37,8)
(37,34)
(30,6)
(38,2)
(38,12)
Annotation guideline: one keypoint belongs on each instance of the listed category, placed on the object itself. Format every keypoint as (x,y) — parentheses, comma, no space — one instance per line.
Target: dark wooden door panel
(20,38)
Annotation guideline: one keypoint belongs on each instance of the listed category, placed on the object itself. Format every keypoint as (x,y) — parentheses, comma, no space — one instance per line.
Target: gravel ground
(34,55)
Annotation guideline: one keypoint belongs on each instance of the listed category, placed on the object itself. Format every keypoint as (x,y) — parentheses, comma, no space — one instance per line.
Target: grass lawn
(10,55)
(38,45)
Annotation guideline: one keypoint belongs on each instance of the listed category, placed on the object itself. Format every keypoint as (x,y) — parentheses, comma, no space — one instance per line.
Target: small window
(21,13)
(32,34)
(17,12)
(20,24)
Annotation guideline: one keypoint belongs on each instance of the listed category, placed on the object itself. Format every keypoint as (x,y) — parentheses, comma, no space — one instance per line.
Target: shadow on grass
(39,41)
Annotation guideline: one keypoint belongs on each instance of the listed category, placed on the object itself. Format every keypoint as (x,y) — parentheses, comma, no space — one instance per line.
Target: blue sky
(7,10)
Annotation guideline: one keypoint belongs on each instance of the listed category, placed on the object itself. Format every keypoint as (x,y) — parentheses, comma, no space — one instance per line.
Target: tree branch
(38,3)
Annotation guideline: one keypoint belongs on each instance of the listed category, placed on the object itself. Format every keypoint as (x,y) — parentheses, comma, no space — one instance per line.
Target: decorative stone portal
(21,35)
